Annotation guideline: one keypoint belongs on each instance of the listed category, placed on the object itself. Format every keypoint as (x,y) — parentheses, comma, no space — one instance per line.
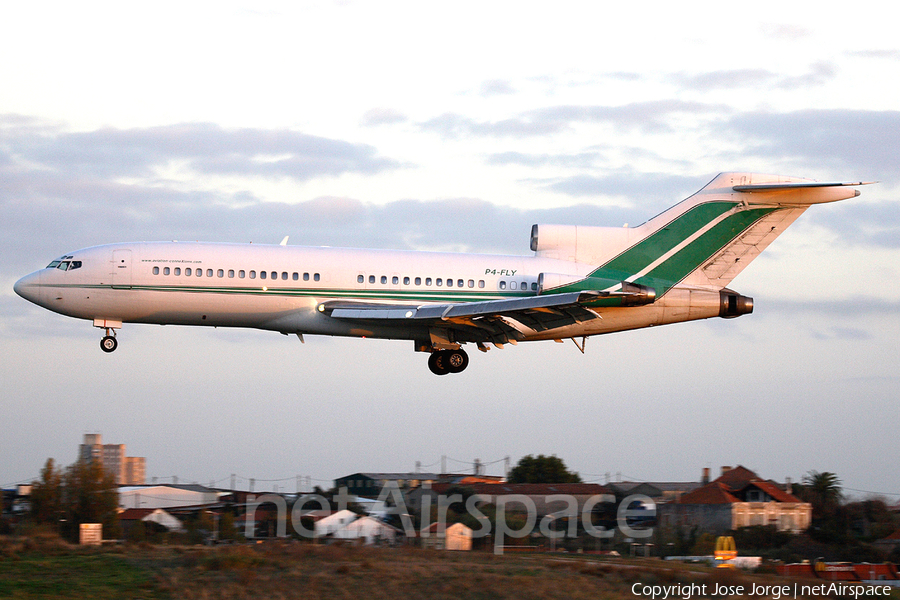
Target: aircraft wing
(493,320)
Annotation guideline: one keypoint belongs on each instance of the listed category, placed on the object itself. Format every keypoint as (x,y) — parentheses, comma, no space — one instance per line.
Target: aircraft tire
(108,343)
(456,360)
(437,362)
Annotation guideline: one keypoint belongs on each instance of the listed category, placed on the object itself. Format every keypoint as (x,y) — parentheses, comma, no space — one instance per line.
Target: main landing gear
(442,362)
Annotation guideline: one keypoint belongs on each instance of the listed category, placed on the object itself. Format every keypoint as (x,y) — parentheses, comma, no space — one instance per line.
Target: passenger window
(315,277)
(534,286)
(449,283)
(187,272)
(156,270)
(524,285)
(471,283)
(502,285)
(284,275)
(274,274)
(481,283)
(166,271)
(360,279)
(512,285)
(241,274)
(439,282)
(418,281)
(406,281)
(383,279)
(252,274)
(296,276)
(231,273)
(306,277)
(178,270)
(220,273)
(198,272)
(428,281)
(209,272)
(371,279)
(395,280)
(263,274)
(459,283)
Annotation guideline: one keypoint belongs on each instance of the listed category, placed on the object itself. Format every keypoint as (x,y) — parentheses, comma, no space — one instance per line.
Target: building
(128,470)
(660,491)
(369,531)
(737,498)
(132,516)
(542,495)
(457,536)
(334,522)
(167,496)
(369,485)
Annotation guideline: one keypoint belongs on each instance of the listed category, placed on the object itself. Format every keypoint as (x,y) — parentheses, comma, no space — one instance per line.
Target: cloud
(581,160)
(725,79)
(786,31)
(818,74)
(880,54)
(650,117)
(382,116)
(497,87)
(858,143)
(874,224)
(202,147)
(652,192)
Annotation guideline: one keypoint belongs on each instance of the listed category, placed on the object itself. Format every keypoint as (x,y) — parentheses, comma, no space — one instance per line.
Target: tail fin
(707,239)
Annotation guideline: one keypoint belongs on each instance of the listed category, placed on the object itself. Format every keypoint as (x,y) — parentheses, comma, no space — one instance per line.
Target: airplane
(581,280)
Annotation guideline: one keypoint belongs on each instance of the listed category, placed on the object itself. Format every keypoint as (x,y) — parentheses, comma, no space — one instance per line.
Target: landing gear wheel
(108,343)
(456,360)
(437,362)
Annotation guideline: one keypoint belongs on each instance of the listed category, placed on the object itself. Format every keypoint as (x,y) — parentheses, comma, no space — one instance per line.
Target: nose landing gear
(109,342)
(442,362)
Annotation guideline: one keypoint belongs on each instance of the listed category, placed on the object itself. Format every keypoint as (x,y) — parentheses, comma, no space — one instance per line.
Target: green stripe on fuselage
(691,257)
(681,263)
(645,252)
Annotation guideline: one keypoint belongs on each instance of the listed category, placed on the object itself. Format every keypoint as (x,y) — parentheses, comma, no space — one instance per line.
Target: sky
(453,127)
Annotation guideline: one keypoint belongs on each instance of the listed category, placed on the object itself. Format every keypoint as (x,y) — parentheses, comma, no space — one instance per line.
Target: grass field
(48,568)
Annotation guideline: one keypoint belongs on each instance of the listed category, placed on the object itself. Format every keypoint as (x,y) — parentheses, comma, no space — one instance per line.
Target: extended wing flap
(536,312)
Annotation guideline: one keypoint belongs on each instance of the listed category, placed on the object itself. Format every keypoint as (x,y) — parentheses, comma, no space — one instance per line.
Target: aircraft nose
(29,287)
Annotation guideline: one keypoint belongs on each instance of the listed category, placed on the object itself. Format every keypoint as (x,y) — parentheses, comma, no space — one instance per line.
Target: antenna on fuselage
(284,241)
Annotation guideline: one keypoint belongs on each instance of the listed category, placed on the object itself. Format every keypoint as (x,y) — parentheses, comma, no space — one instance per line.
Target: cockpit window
(65,265)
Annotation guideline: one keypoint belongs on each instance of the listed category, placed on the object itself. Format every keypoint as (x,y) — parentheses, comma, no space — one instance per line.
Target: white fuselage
(279,288)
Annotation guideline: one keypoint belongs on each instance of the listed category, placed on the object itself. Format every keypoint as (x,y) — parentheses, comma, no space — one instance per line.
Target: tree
(543,469)
(823,491)
(46,495)
(89,496)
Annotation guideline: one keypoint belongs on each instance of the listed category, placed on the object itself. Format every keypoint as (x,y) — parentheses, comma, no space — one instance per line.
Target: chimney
(705,478)
(725,469)
(788,486)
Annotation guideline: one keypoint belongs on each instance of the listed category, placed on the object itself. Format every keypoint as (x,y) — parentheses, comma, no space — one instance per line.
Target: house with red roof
(738,498)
